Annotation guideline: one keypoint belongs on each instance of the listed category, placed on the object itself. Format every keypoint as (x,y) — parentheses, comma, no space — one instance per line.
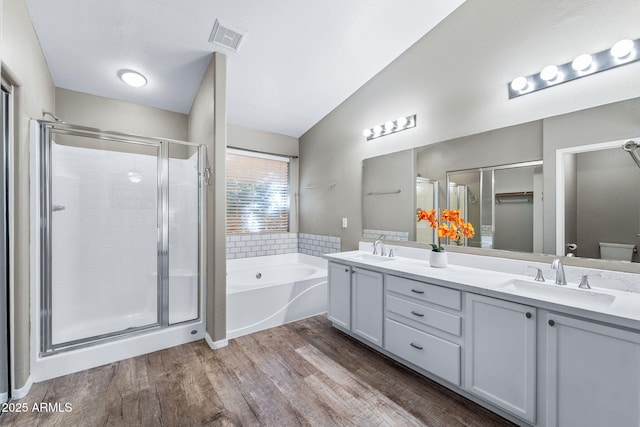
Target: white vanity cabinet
(339,294)
(592,374)
(356,301)
(423,325)
(500,357)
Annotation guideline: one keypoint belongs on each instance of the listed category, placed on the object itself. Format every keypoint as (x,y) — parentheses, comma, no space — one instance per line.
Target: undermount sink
(560,293)
(370,258)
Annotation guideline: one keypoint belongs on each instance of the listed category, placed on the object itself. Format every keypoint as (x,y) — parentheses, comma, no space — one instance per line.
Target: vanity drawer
(433,354)
(426,315)
(425,291)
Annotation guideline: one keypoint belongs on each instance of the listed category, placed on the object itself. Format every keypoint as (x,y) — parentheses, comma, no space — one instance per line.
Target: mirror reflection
(584,202)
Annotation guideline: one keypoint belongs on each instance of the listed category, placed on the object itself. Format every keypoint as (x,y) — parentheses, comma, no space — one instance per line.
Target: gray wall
(207,125)
(390,212)
(455,80)
(608,200)
(24,63)
(109,114)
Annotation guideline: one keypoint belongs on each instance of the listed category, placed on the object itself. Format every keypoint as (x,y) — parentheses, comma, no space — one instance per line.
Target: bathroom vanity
(538,354)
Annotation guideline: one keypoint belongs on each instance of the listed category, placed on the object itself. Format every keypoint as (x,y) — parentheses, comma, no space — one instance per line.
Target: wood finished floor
(301,374)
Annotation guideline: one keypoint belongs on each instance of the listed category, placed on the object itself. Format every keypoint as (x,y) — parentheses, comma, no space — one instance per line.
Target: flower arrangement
(450,224)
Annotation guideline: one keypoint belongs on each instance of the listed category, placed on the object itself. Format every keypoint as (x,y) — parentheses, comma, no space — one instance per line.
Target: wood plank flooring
(301,374)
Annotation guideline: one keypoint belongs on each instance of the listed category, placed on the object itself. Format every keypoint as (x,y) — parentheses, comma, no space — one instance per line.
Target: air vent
(225,36)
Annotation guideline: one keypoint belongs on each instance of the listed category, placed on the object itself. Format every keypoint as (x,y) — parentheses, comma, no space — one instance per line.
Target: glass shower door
(104,246)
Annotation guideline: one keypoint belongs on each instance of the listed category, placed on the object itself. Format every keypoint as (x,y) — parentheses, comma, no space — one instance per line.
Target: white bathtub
(268,291)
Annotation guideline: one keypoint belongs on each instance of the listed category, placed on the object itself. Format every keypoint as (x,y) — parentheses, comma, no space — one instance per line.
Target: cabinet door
(592,374)
(366,304)
(501,354)
(339,311)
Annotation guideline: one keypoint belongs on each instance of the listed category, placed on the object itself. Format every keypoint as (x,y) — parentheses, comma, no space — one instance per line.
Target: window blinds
(257,193)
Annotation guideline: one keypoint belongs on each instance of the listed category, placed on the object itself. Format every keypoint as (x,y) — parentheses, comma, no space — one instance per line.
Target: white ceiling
(299,59)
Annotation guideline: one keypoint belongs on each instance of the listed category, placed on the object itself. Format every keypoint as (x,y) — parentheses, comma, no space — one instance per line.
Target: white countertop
(623,311)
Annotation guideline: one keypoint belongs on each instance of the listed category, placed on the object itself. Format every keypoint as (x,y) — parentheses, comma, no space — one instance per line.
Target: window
(257,192)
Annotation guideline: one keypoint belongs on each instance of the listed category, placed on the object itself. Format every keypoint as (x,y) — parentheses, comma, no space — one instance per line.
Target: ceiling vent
(225,36)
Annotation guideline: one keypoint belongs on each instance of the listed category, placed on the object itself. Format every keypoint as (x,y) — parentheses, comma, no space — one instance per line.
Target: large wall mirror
(562,185)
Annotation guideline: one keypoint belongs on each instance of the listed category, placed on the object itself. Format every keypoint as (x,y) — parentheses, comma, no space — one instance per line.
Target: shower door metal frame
(47,129)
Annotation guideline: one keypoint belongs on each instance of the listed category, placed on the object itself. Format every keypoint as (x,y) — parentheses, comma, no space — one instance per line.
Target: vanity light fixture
(623,52)
(392,126)
(132,78)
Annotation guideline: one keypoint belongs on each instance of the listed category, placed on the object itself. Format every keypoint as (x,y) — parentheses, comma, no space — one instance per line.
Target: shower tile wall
(254,245)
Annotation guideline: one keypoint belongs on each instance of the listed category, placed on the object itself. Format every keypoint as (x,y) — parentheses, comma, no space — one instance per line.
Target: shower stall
(120,237)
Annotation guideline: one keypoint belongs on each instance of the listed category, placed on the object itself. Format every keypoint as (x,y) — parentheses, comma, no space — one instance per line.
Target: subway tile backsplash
(317,244)
(385,235)
(255,245)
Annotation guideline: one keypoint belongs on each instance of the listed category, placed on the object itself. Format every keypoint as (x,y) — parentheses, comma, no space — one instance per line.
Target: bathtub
(268,291)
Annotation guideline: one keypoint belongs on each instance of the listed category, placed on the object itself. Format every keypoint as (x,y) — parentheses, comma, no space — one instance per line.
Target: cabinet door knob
(346,270)
(551,323)
(419,347)
(529,315)
(417,314)
(417,291)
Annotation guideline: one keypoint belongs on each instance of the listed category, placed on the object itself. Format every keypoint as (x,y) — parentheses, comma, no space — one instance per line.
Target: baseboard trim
(214,345)
(19,393)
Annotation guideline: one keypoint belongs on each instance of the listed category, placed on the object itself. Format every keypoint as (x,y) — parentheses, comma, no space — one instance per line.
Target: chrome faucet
(560,277)
(375,248)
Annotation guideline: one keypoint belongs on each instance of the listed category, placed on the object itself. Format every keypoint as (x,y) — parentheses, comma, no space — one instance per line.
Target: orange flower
(454,230)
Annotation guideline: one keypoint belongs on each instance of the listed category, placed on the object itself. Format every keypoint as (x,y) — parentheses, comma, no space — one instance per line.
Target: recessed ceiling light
(132,78)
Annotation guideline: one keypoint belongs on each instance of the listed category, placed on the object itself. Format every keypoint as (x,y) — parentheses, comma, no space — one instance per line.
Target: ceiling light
(519,83)
(548,73)
(388,126)
(132,78)
(622,48)
(582,62)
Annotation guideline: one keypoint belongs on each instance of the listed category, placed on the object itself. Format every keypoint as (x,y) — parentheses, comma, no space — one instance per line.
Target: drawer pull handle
(529,315)
(346,270)
(551,323)
(417,314)
(419,347)
(417,291)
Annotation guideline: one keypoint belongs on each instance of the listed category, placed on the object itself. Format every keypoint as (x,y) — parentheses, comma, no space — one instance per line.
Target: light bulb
(377,130)
(519,83)
(132,78)
(582,62)
(367,133)
(622,48)
(548,73)
(402,122)
(388,126)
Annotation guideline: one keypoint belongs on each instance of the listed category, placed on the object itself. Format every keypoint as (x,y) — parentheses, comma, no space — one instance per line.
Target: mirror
(504,202)
(507,200)
(598,200)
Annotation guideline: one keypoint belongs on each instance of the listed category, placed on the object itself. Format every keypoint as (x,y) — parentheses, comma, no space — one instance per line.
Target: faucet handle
(539,275)
(584,282)
(391,253)
(375,249)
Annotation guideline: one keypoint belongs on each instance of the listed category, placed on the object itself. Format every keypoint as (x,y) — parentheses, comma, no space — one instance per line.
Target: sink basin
(371,258)
(562,294)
